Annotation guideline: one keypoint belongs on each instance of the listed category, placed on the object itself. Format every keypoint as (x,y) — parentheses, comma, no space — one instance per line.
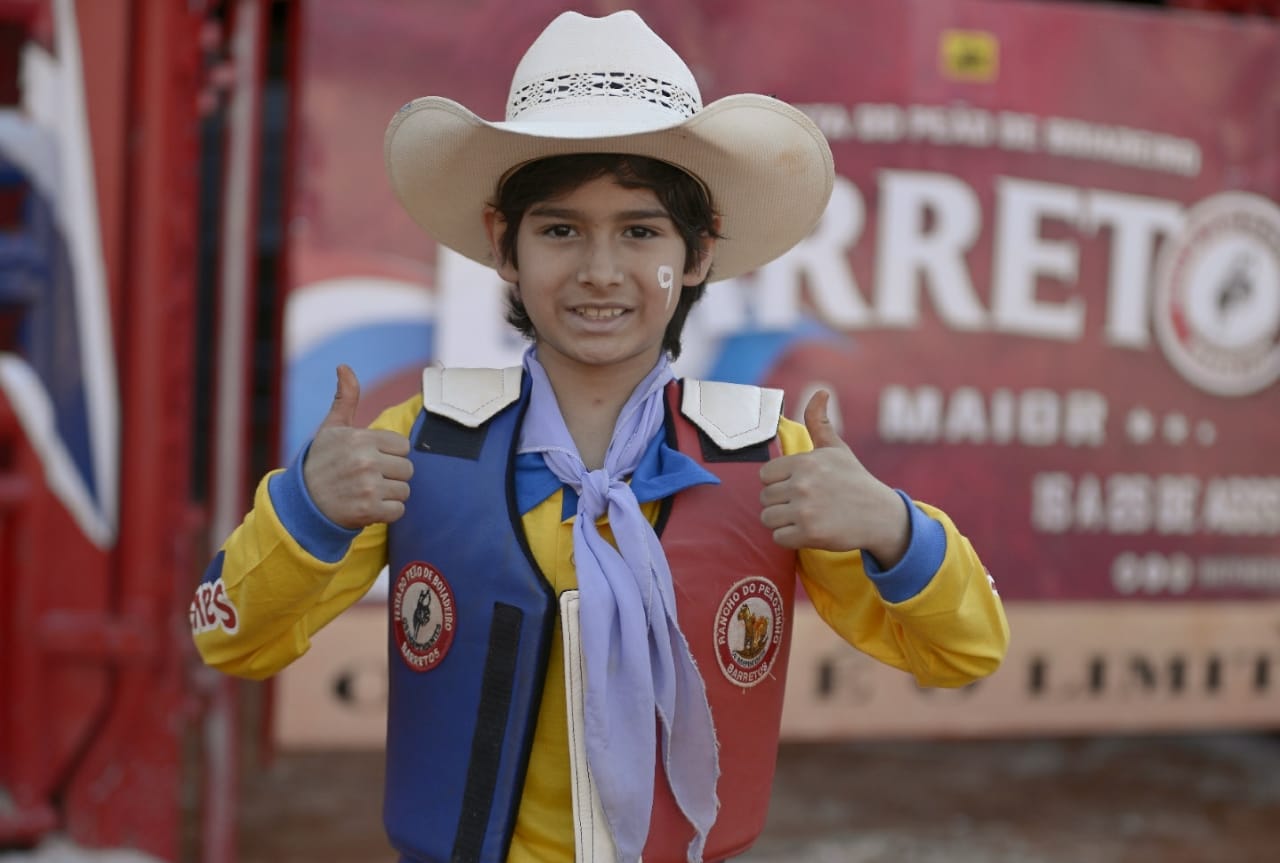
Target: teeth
(600,314)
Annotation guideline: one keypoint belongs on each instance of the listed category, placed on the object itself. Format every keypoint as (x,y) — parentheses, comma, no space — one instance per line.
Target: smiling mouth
(593,314)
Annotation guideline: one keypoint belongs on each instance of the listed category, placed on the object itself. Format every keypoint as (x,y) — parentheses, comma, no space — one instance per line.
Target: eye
(558,230)
(640,232)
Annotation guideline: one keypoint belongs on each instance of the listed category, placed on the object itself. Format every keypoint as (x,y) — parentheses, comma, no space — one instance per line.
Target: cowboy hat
(611,85)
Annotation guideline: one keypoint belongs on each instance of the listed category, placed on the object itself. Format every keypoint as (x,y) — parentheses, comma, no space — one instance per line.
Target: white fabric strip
(592,841)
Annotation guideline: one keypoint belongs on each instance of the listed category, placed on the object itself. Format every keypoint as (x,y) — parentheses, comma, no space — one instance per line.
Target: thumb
(343,410)
(819,424)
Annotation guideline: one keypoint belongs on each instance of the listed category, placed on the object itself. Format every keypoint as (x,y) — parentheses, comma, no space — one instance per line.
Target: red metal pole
(233,363)
(126,791)
(28,814)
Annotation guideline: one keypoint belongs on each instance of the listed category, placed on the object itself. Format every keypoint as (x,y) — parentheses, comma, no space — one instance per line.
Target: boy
(593,564)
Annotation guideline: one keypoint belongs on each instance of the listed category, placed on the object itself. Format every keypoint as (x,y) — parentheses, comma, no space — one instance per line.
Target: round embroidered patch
(423,615)
(749,631)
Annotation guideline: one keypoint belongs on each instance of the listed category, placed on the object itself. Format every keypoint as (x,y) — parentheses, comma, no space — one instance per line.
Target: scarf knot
(597,487)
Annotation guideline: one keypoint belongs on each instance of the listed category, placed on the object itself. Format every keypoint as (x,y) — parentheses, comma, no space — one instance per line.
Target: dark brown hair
(683,197)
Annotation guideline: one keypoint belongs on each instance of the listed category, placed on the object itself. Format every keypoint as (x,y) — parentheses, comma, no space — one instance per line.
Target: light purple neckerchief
(637,659)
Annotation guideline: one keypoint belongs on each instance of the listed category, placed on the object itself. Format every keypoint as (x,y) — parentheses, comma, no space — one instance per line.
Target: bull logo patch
(748,631)
(423,613)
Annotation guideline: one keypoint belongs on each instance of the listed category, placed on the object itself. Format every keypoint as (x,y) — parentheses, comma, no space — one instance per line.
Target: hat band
(589,85)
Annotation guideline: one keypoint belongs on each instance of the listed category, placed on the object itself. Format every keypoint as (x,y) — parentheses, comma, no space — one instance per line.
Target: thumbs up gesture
(826,499)
(356,476)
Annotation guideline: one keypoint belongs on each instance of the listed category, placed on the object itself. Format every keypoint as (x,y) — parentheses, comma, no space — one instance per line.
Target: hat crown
(615,63)
(611,85)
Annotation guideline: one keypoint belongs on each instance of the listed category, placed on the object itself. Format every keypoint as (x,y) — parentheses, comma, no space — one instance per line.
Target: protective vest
(472,619)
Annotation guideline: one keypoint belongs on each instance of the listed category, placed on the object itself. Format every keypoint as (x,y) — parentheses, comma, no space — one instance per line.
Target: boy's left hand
(826,499)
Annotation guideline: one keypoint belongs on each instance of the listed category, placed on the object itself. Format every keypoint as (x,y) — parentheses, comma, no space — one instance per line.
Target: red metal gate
(99,539)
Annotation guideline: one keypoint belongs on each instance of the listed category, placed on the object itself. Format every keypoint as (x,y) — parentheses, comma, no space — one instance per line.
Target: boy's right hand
(356,476)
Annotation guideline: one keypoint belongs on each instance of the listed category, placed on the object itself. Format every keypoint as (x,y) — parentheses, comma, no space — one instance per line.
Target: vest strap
(490,731)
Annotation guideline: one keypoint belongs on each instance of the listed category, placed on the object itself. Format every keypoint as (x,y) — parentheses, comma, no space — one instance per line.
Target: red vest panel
(735,590)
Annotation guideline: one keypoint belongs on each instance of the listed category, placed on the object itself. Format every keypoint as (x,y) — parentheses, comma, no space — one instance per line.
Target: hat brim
(766,165)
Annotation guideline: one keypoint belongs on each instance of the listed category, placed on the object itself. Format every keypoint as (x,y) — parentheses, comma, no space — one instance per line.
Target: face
(601,270)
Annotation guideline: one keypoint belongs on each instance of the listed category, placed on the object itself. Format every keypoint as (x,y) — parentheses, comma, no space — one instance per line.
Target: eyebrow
(553,212)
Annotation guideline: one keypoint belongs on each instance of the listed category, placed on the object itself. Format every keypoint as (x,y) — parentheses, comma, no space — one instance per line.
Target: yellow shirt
(950,633)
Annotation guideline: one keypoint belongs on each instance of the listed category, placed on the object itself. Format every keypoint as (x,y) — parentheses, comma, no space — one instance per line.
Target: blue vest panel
(470,631)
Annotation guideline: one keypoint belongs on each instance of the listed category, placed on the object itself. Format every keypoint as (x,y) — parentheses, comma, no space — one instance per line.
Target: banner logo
(969,55)
(1217,297)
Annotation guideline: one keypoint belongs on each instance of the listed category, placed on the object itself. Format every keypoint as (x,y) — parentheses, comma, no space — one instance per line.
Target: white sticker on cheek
(667,281)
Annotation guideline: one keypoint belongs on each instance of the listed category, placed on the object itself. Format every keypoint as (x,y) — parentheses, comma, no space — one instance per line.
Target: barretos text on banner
(1216,303)
(1201,281)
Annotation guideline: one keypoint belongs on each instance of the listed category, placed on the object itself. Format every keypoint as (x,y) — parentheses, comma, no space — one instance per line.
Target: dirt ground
(1178,799)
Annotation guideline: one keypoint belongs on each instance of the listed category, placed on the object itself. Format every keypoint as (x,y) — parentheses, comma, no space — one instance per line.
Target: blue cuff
(319,537)
(925,551)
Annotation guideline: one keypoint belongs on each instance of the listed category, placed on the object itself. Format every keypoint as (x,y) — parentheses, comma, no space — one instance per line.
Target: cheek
(531,298)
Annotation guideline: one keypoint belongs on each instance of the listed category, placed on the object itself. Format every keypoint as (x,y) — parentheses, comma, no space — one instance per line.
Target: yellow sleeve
(264,595)
(950,633)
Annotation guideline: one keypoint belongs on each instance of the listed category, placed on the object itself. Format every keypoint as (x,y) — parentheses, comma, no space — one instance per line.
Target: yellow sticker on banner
(969,55)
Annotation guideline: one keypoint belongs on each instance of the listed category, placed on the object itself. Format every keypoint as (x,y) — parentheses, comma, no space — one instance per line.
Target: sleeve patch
(213,609)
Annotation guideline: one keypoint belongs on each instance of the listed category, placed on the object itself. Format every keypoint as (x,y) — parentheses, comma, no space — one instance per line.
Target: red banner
(1053,272)
(1045,295)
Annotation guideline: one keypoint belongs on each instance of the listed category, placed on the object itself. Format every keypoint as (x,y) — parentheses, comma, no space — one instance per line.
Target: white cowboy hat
(611,85)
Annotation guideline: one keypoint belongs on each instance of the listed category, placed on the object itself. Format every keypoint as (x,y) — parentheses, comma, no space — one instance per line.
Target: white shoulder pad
(733,415)
(469,396)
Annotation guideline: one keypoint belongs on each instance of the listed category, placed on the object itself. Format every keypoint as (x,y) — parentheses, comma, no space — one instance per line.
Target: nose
(600,266)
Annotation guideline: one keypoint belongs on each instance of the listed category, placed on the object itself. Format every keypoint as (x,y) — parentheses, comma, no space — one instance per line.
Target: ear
(496,227)
(706,256)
